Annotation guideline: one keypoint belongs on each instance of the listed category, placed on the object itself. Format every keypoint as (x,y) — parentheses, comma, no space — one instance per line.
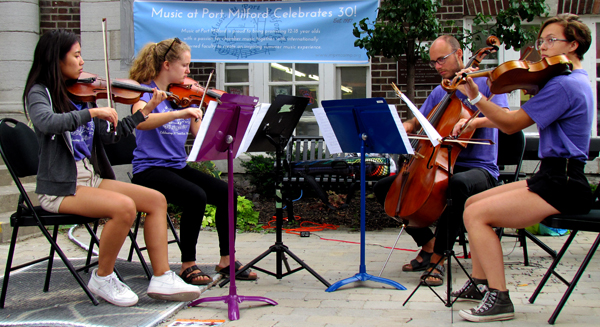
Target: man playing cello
(475,169)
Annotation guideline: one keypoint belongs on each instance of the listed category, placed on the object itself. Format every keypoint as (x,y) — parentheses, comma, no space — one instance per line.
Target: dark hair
(574,29)
(52,47)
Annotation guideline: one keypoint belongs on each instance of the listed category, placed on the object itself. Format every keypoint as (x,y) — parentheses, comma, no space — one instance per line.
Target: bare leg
(511,205)
(91,202)
(154,204)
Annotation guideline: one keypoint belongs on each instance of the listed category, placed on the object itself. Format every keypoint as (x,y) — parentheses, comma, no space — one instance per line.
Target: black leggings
(191,190)
(464,183)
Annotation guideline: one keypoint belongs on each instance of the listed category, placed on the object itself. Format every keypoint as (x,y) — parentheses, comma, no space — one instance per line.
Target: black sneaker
(495,306)
(469,292)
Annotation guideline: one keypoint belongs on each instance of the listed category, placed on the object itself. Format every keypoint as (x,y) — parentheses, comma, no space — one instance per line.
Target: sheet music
(401,129)
(257,117)
(433,135)
(208,115)
(327,131)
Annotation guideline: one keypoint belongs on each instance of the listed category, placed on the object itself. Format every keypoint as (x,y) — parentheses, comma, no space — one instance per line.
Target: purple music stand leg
(233,300)
(362,274)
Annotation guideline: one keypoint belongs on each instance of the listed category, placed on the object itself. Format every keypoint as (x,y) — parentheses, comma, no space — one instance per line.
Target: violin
(190,92)
(89,87)
(418,193)
(518,74)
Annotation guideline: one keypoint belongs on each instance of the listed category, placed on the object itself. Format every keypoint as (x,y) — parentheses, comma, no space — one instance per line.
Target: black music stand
(359,124)
(225,126)
(274,132)
(448,254)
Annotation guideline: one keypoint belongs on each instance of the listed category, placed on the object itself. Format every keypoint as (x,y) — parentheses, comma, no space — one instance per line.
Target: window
(315,81)
(237,79)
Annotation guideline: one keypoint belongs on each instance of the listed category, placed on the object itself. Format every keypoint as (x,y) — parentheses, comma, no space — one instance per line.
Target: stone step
(6,179)
(9,196)
(6,230)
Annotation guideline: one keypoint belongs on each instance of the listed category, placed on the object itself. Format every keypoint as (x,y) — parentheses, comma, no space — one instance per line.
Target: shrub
(260,171)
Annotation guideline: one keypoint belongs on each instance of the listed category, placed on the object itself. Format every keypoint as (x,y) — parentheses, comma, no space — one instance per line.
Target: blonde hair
(149,60)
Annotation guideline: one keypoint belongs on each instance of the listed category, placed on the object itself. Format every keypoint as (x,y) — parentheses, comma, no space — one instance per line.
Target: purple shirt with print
(82,137)
(163,146)
(563,111)
(474,155)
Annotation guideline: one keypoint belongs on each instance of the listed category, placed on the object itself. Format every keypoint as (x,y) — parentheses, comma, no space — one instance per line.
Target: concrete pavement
(335,255)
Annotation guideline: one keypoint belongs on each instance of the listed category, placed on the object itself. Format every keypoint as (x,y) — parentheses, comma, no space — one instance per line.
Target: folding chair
(19,149)
(511,149)
(589,222)
(121,153)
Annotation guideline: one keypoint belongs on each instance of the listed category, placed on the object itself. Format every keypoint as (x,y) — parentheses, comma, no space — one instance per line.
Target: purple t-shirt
(563,111)
(83,137)
(474,155)
(163,146)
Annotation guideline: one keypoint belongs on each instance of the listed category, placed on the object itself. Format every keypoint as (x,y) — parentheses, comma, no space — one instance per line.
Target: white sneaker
(111,289)
(172,288)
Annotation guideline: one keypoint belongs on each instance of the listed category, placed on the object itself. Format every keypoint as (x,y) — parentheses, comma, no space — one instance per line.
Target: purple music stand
(229,122)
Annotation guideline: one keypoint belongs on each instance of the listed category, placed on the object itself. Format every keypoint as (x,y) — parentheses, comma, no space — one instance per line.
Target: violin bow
(111,127)
(470,120)
(204,94)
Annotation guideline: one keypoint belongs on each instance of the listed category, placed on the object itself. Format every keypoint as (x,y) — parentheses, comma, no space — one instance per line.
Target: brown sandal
(415,265)
(189,276)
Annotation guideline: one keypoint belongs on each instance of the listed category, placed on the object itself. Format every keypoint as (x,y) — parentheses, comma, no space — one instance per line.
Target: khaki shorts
(85,177)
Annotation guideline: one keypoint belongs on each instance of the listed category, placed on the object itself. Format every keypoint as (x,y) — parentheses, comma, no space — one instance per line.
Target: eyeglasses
(549,41)
(171,46)
(441,60)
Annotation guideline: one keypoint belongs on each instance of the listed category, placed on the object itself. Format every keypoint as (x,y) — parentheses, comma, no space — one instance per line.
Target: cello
(418,193)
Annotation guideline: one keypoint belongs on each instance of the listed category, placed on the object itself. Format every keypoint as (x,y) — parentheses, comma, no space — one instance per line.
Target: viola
(418,193)
(89,87)
(518,74)
(191,93)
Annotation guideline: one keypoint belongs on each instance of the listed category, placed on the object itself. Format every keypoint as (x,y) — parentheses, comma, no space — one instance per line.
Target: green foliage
(260,171)
(508,23)
(401,28)
(207,167)
(247,218)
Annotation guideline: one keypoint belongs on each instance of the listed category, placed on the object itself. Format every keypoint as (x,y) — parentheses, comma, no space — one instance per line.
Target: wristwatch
(476,99)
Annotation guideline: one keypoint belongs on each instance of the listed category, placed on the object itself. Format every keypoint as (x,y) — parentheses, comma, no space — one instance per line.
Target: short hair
(451,40)
(574,29)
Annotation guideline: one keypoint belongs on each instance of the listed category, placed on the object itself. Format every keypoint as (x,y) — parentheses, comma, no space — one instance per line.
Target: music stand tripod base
(232,299)
(362,275)
(274,133)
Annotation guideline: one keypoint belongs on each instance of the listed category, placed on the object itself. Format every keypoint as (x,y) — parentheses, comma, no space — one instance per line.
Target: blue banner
(301,32)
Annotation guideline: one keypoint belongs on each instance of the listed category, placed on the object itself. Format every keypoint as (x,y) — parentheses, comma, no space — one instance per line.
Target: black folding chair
(19,149)
(590,223)
(121,153)
(510,153)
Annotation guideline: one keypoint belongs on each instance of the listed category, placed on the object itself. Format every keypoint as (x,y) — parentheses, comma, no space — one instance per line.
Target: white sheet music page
(208,115)
(327,131)
(257,117)
(401,129)
(433,135)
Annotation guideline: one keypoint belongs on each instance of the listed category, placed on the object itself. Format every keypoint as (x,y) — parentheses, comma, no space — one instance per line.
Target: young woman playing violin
(160,158)
(75,177)
(563,111)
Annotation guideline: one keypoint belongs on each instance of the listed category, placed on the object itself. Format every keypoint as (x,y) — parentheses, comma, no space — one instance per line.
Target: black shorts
(562,184)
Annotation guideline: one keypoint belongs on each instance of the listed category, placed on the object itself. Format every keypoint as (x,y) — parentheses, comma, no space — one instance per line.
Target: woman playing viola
(563,111)
(160,157)
(75,177)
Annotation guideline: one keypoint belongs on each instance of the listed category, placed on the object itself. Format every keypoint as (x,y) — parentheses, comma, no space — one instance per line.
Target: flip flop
(415,265)
(430,273)
(238,265)
(189,276)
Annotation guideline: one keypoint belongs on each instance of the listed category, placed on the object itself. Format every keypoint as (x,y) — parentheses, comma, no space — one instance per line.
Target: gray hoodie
(57,172)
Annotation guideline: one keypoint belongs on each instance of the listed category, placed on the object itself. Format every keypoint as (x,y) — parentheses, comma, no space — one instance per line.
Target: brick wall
(384,70)
(59,14)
